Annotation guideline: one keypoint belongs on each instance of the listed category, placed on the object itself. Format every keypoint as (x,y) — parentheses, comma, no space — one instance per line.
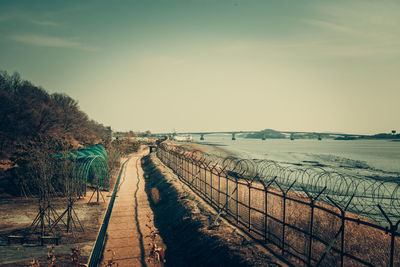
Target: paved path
(131,220)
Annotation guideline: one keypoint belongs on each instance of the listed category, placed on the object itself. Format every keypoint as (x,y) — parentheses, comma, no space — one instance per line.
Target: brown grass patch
(155,195)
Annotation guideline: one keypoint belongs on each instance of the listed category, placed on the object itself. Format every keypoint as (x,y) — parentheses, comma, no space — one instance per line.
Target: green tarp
(97,150)
(90,166)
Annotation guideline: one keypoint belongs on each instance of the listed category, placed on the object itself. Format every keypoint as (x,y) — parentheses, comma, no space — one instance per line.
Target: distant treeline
(267,133)
(28,112)
(394,137)
(272,134)
(381,136)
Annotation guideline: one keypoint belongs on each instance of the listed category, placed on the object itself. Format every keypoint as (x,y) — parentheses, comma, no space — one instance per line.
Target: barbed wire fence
(313,216)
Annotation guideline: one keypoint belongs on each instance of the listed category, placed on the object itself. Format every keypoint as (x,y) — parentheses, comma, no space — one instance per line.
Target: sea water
(361,161)
(383,155)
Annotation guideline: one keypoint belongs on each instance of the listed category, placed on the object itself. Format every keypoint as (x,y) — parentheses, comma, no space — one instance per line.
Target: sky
(207,65)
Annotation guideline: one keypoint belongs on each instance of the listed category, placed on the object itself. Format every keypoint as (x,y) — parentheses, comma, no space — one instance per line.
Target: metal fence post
(343,219)
(204,179)
(237,201)
(219,189)
(283,223)
(312,206)
(265,214)
(226,190)
(211,184)
(284,193)
(187,168)
(266,232)
(393,229)
(342,240)
(249,207)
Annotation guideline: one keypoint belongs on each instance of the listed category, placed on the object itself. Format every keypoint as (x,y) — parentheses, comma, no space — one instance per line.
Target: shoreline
(318,155)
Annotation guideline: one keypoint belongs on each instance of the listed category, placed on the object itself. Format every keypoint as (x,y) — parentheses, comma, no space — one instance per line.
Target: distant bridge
(292,134)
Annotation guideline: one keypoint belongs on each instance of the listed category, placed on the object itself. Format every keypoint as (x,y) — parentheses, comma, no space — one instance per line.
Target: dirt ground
(17,215)
(185,223)
(183,220)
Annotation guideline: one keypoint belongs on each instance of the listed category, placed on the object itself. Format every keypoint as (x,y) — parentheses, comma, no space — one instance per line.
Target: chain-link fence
(309,223)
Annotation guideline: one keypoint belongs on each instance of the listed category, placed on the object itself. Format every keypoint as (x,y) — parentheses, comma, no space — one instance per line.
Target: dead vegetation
(17,214)
(186,226)
(371,245)
(304,230)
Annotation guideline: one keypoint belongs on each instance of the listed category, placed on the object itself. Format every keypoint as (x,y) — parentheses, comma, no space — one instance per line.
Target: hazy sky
(213,64)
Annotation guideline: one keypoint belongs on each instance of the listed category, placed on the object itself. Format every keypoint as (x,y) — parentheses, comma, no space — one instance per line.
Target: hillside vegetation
(28,112)
(33,126)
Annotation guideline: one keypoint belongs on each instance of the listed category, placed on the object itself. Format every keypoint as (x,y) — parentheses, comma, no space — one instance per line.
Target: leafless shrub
(157,254)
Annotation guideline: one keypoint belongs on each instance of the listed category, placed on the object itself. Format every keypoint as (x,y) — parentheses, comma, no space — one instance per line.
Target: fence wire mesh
(313,216)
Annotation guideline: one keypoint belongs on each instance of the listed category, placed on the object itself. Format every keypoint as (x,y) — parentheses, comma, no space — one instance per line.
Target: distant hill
(267,133)
(381,136)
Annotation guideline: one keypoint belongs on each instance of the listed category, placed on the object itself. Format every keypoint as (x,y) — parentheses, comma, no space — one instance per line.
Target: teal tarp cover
(97,150)
(90,166)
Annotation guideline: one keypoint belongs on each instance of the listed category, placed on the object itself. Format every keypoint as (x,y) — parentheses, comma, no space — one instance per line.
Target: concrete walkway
(129,231)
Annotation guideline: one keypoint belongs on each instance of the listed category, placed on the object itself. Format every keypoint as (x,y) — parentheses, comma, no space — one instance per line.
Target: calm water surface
(376,154)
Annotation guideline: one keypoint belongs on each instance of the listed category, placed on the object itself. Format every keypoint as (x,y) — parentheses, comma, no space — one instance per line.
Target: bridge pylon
(263,137)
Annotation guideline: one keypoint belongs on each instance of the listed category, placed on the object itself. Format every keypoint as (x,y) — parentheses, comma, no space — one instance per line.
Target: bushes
(36,166)
(33,126)
(125,147)
(28,111)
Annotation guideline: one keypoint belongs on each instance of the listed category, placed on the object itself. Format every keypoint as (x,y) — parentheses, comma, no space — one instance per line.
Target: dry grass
(365,242)
(155,195)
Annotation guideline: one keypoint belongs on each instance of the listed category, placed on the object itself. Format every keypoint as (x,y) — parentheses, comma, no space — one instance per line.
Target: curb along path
(128,234)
